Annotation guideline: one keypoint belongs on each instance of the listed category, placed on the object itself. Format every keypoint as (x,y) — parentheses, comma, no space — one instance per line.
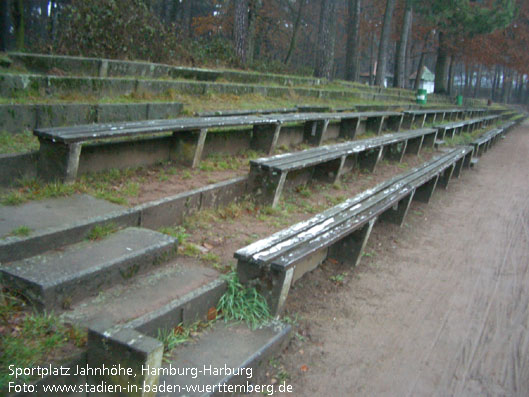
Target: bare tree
(352,56)
(384,43)
(240,29)
(295,31)
(326,39)
(400,62)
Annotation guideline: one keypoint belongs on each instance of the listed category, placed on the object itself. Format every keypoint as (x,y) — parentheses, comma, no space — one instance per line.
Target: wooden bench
(268,175)
(341,232)
(419,118)
(451,129)
(60,148)
(483,143)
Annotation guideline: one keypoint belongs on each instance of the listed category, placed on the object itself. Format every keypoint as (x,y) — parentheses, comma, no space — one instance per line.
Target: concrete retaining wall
(13,85)
(17,118)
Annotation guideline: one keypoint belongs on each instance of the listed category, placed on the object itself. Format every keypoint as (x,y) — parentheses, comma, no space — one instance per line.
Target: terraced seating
(268,175)
(452,129)
(60,148)
(419,118)
(341,232)
(246,112)
(483,143)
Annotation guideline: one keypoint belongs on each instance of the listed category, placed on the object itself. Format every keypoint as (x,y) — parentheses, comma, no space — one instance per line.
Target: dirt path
(438,307)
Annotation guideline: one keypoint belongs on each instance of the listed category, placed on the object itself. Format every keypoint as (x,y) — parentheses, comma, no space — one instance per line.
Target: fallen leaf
(178,330)
(304,368)
(212,313)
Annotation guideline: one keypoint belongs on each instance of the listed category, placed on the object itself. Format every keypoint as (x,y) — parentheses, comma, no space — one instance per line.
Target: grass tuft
(241,303)
(99,232)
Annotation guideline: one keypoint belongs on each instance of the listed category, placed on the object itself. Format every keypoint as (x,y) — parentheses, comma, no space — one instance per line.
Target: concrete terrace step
(57,279)
(219,350)
(56,222)
(175,292)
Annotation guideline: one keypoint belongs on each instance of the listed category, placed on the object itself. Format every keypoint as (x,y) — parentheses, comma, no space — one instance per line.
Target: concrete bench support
(375,124)
(275,288)
(350,248)
(127,348)
(369,160)
(349,128)
(264,137)
(394,123)
(414,145)
(396,151)
(398,212)
(314,132)
(271,183)
(424,193)
(458,167)
(429,140)
(58,161)
(445,176)
(407,121)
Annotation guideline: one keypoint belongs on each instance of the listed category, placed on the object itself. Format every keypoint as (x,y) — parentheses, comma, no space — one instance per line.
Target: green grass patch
(30,339)
(179,232)
(243,304)
(21,231)
(99,232)
(18,143)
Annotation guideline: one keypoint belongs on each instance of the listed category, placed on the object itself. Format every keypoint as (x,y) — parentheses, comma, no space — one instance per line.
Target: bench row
(60,148)
(268,176)
(341,232)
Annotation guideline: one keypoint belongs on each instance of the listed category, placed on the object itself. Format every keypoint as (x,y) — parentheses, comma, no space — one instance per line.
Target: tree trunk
(441,66)
(451,76)
(519,88)
(19,23)
(294,38)
(255,6)
(384,43)
(352,56)
(326,38)
(401,53)
(372,60)
(408,61)
(240,29)
(4,20)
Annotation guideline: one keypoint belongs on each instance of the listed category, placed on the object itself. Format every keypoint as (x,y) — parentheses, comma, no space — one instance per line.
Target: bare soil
(437,307)
(219,233)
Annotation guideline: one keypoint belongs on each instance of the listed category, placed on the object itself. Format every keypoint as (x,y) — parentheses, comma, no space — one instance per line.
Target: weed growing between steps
(99,232)
(29,339)
(21,231)
(243,304)
(174,337)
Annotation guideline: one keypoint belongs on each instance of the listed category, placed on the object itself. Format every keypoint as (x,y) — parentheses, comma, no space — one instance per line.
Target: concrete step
(438,143)
(227,355)
(175,292)
(56,279)
(56,222)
